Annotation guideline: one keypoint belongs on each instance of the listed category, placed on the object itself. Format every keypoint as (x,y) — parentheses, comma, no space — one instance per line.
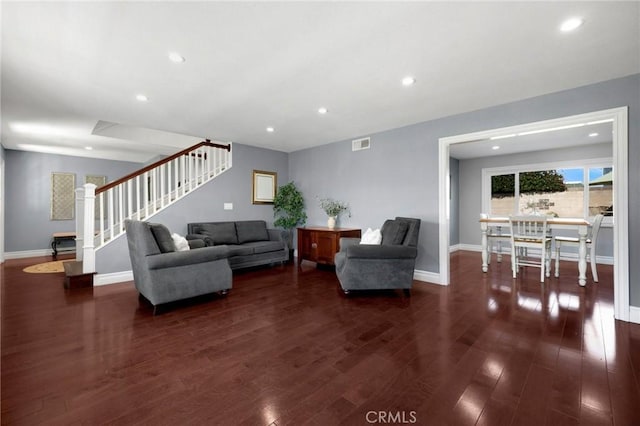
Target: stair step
(74,277)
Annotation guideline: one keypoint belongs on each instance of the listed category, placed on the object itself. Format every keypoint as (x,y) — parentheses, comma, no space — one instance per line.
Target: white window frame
(586,164)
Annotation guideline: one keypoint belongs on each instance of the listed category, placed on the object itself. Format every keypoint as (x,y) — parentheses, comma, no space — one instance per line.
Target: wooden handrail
(185,151)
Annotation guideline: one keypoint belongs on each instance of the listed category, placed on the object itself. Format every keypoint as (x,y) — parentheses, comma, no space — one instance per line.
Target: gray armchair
(386,266)
(163,275)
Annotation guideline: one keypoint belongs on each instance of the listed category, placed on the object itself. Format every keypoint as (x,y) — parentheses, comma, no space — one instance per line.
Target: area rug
(46,268)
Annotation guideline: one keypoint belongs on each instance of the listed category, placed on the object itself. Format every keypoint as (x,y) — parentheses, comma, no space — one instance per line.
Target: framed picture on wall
(97,180)
(264,187)
(63,196)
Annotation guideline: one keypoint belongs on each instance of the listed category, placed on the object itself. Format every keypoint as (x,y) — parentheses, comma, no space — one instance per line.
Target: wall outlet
(228,206)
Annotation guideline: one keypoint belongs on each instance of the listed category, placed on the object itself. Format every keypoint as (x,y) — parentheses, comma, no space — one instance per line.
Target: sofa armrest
(185,258)
(365,251)
(346,242)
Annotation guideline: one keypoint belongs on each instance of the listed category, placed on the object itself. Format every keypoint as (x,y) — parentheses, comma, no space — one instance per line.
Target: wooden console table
(320,245)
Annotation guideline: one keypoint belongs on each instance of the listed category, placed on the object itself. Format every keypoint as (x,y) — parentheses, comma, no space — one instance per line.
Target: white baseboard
(571,257)
(634,314)
(469,247)
(27,253)
(112,278)
(426,276)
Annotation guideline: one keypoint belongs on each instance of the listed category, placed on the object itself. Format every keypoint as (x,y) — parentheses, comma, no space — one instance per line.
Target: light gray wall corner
(28,194)
(398,175)
(206,204)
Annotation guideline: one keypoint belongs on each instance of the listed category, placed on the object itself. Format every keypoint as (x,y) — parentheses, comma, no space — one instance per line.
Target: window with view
(561,191)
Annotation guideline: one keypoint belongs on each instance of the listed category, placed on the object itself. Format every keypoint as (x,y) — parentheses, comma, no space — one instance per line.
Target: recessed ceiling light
(593,135)
(408,81)
(323,110)
(571,24)
(142,98)
(495,147)
(88,148)
(270,129)
(176,57)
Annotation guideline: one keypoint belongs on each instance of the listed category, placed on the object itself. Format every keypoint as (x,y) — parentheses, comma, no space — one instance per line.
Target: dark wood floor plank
(286,347)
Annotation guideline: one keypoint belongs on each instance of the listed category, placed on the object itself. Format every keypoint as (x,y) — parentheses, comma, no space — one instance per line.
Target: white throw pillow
(180,242)
(371,237)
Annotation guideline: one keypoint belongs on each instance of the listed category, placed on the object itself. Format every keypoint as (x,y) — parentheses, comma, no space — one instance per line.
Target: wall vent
(360,144)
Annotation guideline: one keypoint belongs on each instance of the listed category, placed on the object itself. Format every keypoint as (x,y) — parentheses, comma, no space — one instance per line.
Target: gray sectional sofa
(249,242)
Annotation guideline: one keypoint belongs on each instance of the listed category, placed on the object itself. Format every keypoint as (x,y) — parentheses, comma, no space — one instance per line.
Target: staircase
(140,195)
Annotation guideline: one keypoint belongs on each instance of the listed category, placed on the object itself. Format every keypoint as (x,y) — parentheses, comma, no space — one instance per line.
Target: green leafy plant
(334,208)
(288,209)
(530,183)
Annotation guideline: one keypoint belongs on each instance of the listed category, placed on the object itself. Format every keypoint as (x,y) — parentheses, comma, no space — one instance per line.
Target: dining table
(580,225)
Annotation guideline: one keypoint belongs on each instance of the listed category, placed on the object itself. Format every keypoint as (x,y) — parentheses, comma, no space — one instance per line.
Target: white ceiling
(68,65)
(582,135)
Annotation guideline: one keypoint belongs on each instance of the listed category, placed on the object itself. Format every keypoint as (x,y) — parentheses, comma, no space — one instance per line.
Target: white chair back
(529,227)
(530,232)
(595,228)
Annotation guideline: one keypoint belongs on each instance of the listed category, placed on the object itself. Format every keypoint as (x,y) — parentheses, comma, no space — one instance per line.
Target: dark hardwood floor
(285,347)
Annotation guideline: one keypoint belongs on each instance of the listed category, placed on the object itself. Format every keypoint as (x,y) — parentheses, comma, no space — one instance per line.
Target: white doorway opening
(618,118)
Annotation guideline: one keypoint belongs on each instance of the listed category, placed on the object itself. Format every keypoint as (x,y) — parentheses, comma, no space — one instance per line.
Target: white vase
(331,222)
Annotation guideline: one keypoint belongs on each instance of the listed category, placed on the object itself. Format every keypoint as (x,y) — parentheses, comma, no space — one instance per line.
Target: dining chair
(495,235)
(530,232)
(592,238)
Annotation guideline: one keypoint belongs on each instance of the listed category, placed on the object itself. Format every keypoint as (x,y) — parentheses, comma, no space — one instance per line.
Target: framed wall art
(63,197)
(264,187)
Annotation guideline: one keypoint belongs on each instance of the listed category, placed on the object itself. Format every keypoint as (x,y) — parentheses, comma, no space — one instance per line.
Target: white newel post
(79,223)
(89,256)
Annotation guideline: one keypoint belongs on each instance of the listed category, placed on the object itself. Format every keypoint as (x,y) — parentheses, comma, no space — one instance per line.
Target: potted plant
(333,209)
(288,208)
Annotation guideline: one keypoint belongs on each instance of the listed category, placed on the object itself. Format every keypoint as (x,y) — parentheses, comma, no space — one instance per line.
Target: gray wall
(471,186)
(206,203)
(28,194)
(399,174)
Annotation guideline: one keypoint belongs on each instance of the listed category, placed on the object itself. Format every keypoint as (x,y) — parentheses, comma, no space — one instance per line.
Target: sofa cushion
(393,232)
(251,230)
(163,237)
(265,246)
(220,233)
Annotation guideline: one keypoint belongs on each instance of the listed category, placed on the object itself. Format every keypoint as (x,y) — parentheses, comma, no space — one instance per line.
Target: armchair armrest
(185,258)
(364,251)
